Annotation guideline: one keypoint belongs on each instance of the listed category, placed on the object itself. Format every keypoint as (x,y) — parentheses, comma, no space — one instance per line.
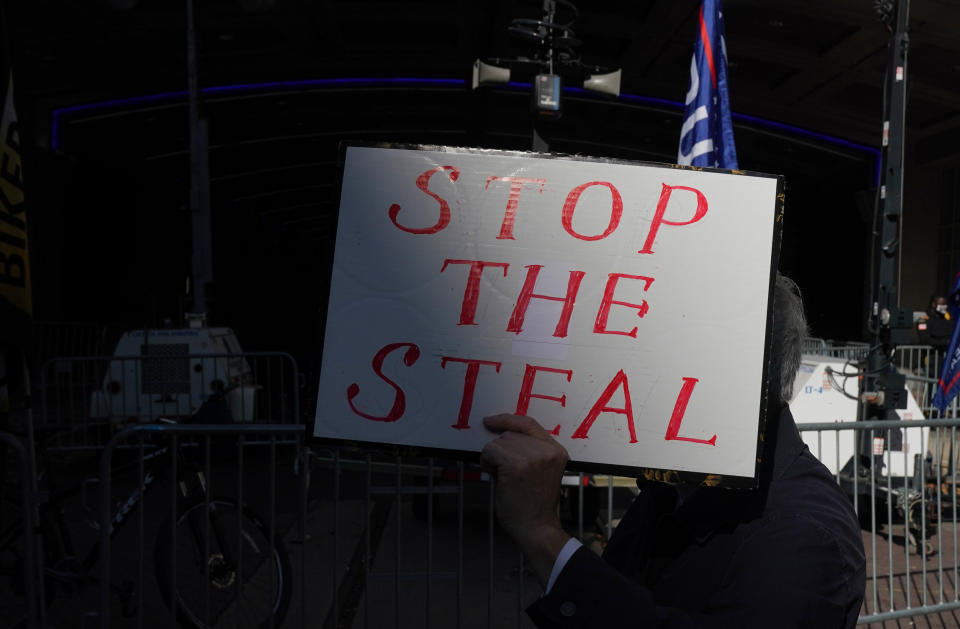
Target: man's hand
(529,464)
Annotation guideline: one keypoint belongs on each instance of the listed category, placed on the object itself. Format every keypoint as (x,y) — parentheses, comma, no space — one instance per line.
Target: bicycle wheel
(210,553)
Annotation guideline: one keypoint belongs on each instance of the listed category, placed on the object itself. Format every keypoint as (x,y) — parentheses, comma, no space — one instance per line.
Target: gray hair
(789,331)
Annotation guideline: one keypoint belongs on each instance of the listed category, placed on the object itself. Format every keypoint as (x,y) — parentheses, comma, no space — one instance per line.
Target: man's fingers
(493,453)
(515,423)
(508,448)
(519,450)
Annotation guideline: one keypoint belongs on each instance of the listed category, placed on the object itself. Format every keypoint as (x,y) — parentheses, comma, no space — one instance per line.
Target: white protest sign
(622,305)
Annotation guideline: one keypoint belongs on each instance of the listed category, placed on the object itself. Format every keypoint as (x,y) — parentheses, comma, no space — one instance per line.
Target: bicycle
(215,561)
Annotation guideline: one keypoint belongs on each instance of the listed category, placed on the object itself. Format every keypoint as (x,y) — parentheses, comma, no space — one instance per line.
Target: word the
(471,296)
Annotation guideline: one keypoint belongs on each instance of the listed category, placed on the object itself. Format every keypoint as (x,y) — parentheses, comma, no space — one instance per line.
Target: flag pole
(706,134)
(202,262)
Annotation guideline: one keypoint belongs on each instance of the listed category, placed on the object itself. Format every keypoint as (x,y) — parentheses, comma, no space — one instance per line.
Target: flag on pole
(949,383)
(953,301)
(706,137)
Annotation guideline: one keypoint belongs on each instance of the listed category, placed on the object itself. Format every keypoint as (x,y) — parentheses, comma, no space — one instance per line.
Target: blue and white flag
(949,382)
(706,137)
(953,301)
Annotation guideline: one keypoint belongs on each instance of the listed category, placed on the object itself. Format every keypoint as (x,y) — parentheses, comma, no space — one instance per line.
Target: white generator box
(172,373)
(819,396)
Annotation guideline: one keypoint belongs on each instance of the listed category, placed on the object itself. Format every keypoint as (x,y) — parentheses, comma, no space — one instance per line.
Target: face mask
(942,308)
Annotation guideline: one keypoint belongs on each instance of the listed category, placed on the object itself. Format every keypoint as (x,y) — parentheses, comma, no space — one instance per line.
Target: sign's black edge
(561,156)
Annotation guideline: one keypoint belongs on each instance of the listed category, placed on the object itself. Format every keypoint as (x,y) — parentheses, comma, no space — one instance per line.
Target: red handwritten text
(658,218)
(600,325)
(566,217)
(399,399)
(529,375)
(471,293)
(513,201)
(469,385)
(673,428)
(515,324)
(619,380)
(422,182)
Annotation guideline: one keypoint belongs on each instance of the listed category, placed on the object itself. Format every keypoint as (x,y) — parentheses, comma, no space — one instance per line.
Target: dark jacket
(789,554)
(936,331)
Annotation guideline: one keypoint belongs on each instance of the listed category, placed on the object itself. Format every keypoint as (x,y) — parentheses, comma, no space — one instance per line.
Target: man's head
(938,304)
(789,330)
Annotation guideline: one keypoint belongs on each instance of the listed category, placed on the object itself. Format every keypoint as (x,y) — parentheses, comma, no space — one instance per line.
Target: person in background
(787,554)
(936,328)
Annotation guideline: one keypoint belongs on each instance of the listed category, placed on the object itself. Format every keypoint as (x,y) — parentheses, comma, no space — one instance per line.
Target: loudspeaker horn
(608,83)
(484,73)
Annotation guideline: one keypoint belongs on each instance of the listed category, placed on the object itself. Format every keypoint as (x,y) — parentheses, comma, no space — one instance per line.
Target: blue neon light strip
(762,122)
(258,87)
(63,112)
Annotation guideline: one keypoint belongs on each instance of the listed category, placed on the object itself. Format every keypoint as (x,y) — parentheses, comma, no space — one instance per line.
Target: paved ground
(899,575)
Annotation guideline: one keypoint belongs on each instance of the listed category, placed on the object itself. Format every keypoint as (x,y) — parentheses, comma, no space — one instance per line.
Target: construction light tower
(882,388)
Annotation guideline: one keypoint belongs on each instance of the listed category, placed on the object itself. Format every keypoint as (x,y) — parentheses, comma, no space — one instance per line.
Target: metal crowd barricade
(375,540)
(846,351)
(17,541)
(909,519)
(813,345)
(202,525)
(918,360)
(414,541)
(921,364)
(67,338)
(370,539)
(87,399)
(923,390)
